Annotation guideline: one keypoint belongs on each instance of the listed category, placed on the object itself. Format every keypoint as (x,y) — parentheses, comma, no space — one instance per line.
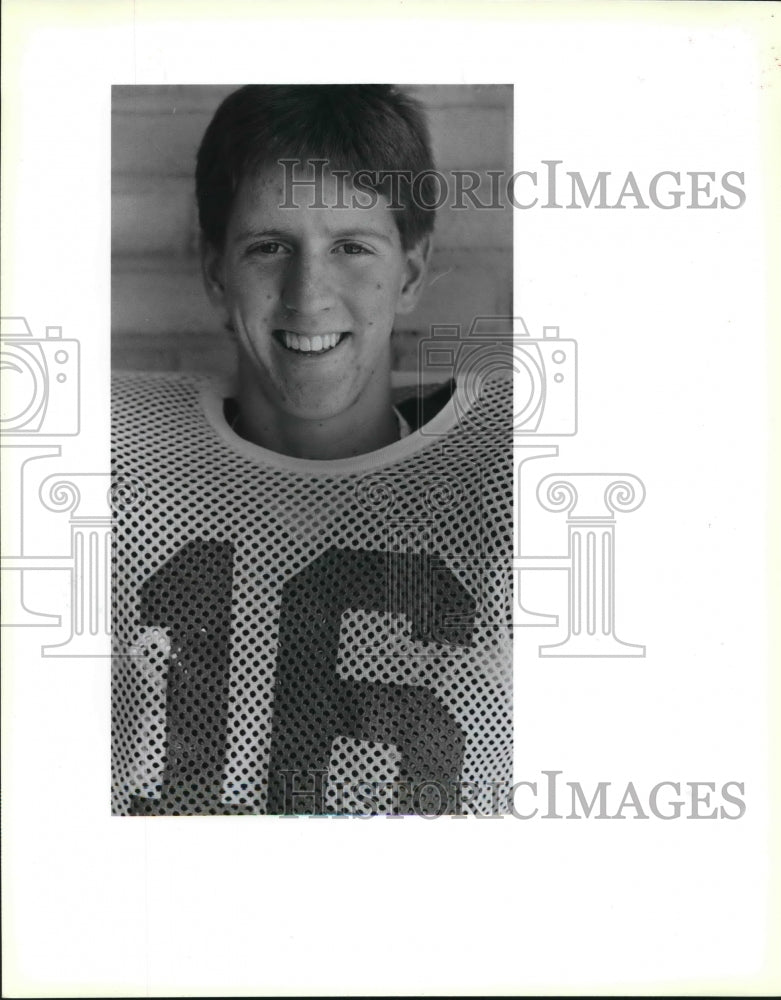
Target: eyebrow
(277,233)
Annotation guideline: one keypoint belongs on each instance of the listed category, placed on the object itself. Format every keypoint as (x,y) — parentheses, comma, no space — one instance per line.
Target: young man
(310,590)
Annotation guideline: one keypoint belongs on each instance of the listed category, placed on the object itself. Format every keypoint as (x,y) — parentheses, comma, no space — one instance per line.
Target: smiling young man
(310,578)
(311,295)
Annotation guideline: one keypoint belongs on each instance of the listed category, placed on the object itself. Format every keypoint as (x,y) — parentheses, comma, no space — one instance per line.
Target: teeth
(316,344)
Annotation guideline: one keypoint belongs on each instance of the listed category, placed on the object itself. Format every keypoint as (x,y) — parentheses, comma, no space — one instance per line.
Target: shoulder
(154,415)
(160,397)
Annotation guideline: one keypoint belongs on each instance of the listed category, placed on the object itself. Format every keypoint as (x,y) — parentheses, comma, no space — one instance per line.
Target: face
(312,293)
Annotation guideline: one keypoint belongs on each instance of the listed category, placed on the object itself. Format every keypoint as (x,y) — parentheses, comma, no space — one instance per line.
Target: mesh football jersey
(297,636)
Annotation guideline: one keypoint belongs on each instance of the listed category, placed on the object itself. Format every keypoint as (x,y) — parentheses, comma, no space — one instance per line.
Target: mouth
(312,344)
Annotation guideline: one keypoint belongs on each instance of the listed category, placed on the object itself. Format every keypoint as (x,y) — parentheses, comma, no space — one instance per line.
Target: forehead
(300,200)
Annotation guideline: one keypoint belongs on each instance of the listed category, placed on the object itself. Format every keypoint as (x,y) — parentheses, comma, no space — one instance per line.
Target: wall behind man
(161,318)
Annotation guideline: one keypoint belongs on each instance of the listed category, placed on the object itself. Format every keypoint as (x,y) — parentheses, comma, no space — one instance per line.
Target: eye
(270,247)
(353,249)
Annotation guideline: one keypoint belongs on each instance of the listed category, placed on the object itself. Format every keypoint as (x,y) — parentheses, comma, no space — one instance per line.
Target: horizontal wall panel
(146,98)
(153,216)
(161,136)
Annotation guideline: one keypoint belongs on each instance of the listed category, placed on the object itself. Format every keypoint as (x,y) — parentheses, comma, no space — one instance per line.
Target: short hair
(354,127)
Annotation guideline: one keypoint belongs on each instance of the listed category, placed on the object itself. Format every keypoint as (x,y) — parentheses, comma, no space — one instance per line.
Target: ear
(213,278)
(416,268)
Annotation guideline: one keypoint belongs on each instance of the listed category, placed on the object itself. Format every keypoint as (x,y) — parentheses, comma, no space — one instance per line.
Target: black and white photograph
(311,553)
(389,433)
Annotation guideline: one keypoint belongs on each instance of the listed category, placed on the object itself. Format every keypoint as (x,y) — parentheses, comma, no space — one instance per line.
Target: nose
(308,287)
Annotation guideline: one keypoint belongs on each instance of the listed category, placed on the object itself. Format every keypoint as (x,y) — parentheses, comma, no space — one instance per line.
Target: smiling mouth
(309,344)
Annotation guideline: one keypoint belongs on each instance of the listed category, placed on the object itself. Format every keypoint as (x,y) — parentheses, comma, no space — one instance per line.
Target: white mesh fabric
(284,627)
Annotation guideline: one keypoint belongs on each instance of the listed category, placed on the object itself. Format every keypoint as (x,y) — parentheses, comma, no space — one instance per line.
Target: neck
(368,424)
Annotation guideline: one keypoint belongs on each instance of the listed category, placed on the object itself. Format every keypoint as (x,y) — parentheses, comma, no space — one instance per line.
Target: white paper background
(668,309)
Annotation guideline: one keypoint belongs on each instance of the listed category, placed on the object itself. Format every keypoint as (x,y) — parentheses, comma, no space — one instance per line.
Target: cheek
(379,293)
(257,296)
